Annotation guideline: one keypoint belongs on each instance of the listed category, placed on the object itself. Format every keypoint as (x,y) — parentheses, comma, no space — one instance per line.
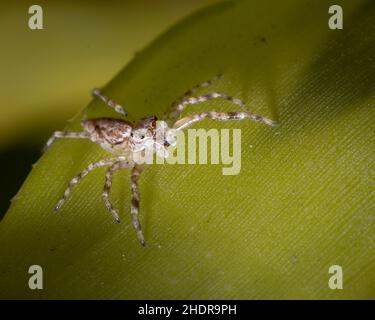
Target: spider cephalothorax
(125,139)
(152,135)
(144,134)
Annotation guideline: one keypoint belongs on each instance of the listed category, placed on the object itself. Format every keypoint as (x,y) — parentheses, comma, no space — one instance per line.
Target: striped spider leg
(60,134)
(180,105)
(96,92)
(124,139)
(136,171)
(83,174)
(176,108)
(221,116)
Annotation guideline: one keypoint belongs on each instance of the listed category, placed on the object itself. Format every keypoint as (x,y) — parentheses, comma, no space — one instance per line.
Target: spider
(123,138)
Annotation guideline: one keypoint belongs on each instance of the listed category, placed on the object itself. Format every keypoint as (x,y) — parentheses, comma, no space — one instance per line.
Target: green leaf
(302,202)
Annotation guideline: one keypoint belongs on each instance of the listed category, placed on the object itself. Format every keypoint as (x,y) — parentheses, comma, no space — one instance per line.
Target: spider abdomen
(110,134)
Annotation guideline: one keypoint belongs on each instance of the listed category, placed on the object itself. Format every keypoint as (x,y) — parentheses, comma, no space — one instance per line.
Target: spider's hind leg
(136,171)
(69,135)
(107,187)
(96,92)
(79,177)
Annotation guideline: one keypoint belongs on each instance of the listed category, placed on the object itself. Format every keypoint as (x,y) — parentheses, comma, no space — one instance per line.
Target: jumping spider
(123,138)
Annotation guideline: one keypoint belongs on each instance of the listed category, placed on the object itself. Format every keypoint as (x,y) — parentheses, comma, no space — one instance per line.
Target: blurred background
(47,75)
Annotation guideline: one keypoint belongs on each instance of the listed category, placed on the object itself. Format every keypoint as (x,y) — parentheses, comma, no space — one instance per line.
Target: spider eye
(142,136)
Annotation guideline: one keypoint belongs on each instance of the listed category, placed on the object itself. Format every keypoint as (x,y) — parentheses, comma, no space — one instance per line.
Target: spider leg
(108,184)
(136,171)
(201,85)
(115,106)
(80,176)
(180,107)
(61,134)
(221,116)
(174,112)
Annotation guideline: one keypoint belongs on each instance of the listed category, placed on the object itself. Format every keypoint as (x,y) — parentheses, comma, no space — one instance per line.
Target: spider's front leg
(65,135)
(176,109)
(221,116)
(180,107)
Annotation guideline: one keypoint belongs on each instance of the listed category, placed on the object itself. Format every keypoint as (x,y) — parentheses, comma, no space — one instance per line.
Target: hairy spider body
(124,139)
(111,134)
